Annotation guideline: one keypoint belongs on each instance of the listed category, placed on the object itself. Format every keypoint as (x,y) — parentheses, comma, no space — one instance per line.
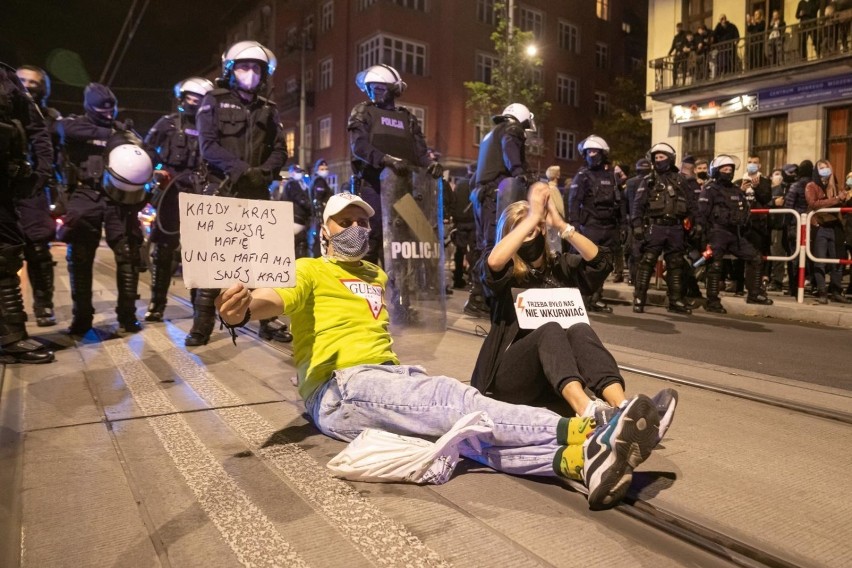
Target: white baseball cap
(340,201)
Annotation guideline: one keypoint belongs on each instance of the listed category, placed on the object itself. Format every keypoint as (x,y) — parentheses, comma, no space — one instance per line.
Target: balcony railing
(822,39)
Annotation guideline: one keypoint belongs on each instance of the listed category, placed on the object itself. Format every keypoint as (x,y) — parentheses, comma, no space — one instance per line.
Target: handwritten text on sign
(538,306)
(226,240)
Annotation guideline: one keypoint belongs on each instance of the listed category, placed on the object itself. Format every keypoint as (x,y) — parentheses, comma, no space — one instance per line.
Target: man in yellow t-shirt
(351,380)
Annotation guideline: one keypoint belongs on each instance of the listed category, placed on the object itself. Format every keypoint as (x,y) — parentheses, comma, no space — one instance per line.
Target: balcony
(757,61)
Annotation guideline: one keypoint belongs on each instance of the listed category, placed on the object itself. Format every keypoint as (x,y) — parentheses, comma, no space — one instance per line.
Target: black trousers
(543,361)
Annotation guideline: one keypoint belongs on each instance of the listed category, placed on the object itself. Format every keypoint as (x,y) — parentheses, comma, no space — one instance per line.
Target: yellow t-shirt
(338,317)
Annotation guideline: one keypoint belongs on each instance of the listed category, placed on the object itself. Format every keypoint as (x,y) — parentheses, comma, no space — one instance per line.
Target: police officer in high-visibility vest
(25,164)
(175,140)
(594,204)
(723,210)
(662,203)
(34,213)
(383,135)
(242,144)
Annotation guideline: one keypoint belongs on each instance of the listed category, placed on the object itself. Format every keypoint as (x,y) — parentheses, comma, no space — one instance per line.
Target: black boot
(756,294)
(161,279)
(15,344)
(674,281)
(203,318)
(644,269)
(127,283)
(714,277)
(40,271)
(476,307)
(597,304)
(80,257)
(273,329)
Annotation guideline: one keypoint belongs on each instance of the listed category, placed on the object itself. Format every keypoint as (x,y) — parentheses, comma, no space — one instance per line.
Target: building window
(838,142)
(480,129)
(601,55)
(325,74)
(566,144)
(601,103)
(420,114)
(326,16)
(485,65)
(697,12)
(700,141)
(419,5)
(290,140)
(403,55)
(531,21)
(769,141)
(324,132)
(602,9)
(485,12)
(364,4)
(566,90)
(569,37)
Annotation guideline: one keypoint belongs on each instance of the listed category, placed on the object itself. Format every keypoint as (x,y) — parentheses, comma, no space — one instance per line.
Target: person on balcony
(755,30)
(806,13)
(775,39)
(725,36)
(704,66)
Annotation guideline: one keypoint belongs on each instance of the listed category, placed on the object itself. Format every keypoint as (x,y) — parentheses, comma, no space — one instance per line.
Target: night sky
(174,39)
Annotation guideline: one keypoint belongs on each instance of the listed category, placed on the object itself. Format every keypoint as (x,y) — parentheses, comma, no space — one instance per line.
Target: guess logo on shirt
(371,293)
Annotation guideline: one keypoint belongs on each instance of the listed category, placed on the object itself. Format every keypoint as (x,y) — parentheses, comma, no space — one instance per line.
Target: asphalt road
(793,350)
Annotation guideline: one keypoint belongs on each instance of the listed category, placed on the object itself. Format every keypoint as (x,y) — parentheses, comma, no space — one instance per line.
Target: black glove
(639,233)
(435,170)
(257,177)
(397,165)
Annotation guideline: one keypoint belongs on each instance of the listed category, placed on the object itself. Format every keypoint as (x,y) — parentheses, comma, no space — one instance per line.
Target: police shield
(413,250)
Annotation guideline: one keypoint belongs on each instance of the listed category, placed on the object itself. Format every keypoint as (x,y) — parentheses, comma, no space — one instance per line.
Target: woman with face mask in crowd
(548,363)
(823,193)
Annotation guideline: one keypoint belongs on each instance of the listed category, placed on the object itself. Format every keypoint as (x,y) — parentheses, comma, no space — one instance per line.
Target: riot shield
(412,225)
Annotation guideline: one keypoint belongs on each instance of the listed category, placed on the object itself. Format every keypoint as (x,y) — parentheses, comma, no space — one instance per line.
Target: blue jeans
(404,400)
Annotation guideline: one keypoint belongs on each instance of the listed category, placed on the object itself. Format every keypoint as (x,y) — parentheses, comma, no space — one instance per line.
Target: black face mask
(725,178)
(532,250)
(662,166)
(702,175)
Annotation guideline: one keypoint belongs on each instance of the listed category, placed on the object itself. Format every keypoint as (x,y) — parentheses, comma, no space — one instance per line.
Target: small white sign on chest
(538,306)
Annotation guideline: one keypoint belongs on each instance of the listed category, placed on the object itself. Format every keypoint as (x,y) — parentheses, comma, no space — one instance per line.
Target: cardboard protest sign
(538,306)
(225,240)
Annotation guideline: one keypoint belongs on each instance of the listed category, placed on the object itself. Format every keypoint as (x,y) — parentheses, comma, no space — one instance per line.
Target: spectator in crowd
(755,28)
(822,193)
(775,39)
(806,13)
(795,199)
(778,227)
(758,190)
(725,37)
(695,239)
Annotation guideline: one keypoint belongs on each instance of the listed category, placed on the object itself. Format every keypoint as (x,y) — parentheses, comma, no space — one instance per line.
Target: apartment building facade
(437,45)
(782,94)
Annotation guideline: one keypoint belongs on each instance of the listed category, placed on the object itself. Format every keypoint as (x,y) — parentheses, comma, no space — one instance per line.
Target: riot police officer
(643,168)
(319,191)
(94,204)
(242,144)
(662,203)
(34,215)
(382,134)
(175,140)
(724,210)
(25,163)
(594,204)
(295,191)
(501,175)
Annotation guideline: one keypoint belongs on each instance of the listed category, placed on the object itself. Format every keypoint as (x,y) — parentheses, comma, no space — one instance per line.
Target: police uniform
(242,144)
(319,193)
(594,206)
(724,211)
(175,140)
(662,202)
(374,133)
(460,210)
(26,158)
(296,192)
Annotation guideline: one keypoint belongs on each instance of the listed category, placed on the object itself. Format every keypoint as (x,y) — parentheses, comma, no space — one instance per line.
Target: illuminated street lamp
(532,50)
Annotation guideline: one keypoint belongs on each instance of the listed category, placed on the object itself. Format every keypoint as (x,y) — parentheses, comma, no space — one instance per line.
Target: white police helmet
(723,160)
(662,148)
(195,85)
(127,173)
(520,113)
(248,51)
(593,142)
(381,74)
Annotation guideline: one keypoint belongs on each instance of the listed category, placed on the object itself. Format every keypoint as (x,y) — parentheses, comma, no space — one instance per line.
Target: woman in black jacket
(526,366)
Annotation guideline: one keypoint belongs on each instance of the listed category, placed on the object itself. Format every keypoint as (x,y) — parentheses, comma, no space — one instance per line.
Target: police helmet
(249,51)
(593,142)
(100,103)
(662,148)
(723,160)
(381,73)
(522,114)
(128,169)
(195,85)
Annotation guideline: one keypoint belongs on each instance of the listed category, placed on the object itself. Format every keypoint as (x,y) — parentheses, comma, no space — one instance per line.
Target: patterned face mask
(350,244)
